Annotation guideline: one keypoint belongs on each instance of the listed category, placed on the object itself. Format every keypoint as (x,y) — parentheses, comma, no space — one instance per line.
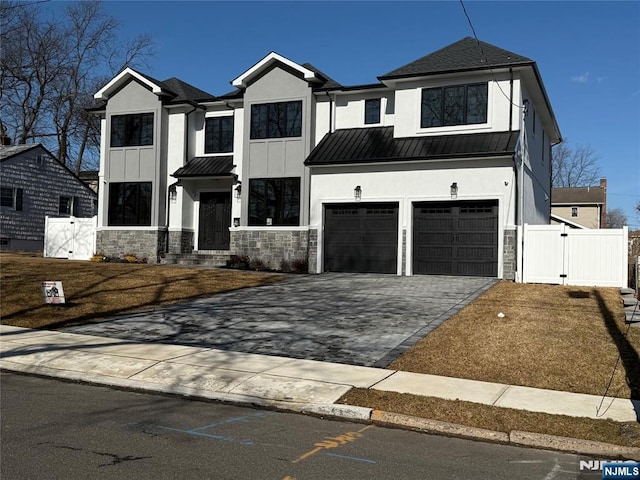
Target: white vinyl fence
(70,237)
(558,254)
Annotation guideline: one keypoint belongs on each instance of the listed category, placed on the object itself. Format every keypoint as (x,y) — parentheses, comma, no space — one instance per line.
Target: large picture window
(132,130)
(130,204)
(274,201)
(276,120)
(456,105)
(218,135)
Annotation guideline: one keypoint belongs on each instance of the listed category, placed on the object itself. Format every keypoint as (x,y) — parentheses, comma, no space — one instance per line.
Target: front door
(215,220)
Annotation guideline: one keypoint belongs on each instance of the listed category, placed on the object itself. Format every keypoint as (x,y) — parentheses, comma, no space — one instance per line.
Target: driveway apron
(359,319)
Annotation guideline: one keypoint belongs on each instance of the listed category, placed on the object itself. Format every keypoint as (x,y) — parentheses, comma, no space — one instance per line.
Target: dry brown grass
(495,418)
(560,338)
(96,291)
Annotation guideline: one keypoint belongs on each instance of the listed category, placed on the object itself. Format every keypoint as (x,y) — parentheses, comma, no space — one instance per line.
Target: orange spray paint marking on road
(333,442)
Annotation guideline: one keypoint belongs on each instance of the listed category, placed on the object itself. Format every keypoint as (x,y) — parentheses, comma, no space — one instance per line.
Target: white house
(428,171)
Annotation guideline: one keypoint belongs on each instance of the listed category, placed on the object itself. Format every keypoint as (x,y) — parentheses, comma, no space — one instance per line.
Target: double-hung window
(132,130)
(64,205)
(11,198)
(276,120)
(130,204)
(218,135)
(372,111)
(454,105)
(274,201)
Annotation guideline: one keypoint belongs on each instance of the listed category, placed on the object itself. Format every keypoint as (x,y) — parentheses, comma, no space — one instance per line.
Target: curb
(346,412)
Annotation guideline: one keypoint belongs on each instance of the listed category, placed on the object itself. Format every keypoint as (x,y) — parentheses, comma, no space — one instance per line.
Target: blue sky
(588,54)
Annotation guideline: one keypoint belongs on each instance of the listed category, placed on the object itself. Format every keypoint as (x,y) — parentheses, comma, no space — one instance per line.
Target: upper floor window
(455,105)
(130,204)
(574,211)
(372,111)
(218,135)
(132,130)
(276,120)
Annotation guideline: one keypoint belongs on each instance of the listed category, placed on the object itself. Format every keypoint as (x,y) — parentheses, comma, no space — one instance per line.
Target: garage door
(456,238)
(361,237)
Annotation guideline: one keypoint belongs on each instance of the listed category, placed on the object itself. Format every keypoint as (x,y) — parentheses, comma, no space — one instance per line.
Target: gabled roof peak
(267,62)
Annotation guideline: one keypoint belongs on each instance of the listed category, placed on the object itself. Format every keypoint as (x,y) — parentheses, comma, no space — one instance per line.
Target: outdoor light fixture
(454,190)
(357,193)
(239,191)
(525,110)
(173,194)
(236,222)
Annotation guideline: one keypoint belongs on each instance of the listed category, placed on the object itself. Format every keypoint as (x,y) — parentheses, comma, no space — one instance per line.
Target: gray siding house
(429,170)
(34,184)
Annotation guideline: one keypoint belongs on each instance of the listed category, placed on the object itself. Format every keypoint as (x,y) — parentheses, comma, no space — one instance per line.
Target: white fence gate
(70,237)
(562,255)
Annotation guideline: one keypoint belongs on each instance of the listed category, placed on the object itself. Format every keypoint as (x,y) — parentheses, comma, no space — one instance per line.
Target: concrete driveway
(359,319)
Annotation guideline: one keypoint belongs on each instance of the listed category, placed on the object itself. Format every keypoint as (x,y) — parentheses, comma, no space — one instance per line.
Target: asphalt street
(53,429)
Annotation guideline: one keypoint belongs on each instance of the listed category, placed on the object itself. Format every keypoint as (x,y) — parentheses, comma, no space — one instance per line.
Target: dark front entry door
(215,220)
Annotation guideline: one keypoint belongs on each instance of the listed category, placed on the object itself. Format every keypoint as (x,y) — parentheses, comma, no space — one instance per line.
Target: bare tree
(51,68)
(574,167)
(616,218)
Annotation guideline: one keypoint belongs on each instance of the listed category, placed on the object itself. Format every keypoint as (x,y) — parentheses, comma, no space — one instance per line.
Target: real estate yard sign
(52,292)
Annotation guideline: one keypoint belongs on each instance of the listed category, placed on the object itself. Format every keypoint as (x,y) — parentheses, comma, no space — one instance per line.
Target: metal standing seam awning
(206,167)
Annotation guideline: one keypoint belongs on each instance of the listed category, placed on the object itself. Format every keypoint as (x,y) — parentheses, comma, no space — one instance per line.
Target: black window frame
(218,134)
(276,120)
(459,110)
(372,111)
(132,130)
(275,198)
(130,204)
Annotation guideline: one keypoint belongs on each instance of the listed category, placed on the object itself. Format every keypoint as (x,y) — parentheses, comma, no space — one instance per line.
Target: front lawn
(95,291)
(560,338)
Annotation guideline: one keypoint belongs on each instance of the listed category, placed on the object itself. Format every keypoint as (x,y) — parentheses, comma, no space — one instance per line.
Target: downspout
(510,99)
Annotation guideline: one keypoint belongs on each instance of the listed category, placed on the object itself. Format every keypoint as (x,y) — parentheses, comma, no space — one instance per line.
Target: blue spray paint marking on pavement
(358,459)
(198,431)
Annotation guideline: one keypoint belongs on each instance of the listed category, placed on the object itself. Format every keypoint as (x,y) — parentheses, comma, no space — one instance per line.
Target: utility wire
(484,58)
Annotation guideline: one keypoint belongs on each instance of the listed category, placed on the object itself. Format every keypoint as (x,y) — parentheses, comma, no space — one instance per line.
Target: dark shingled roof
(206,167)
(10,151)
(329,83)
(577,195)
(374,145)
(184,92)
(460,56)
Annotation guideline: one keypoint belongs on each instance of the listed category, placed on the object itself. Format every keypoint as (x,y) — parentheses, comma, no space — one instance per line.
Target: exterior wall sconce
(173,194)
(236,222)
(238,191)
(525,110)
(357,193)
(454,190)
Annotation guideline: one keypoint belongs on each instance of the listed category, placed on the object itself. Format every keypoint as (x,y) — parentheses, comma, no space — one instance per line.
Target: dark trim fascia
(455,70)
(370,161)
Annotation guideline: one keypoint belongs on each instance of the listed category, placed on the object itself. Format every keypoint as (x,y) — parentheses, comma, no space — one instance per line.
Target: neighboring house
(428,171)
(580,207)
(90,178)
(35,184)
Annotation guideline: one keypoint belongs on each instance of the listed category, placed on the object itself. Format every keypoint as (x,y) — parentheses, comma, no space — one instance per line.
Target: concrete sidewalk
(300,385)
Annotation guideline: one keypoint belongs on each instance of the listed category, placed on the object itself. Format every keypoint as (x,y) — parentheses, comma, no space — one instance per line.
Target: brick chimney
(603,212)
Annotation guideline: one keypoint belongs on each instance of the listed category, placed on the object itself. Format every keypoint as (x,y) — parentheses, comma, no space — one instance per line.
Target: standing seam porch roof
(377,145)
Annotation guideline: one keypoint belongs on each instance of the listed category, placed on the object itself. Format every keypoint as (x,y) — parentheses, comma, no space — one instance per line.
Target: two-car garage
(448,238)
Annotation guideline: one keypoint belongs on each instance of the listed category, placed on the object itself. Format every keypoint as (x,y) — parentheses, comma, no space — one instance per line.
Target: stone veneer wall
(313,250)
(147,244)
(509,255)
(271,246)
(180,242)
